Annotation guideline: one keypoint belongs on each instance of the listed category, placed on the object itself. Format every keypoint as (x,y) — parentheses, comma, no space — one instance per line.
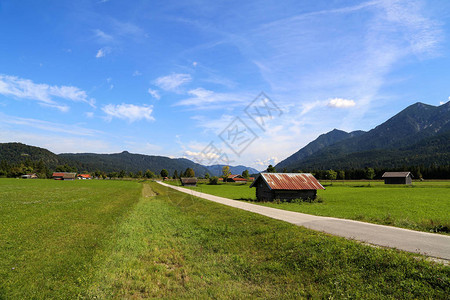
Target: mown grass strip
(51,230)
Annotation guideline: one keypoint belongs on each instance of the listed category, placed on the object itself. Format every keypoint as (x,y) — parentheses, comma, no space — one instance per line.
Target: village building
(64,176)
(397,178)
(236,178)
(286,186)
(188,181)
(29,176)
(84,176)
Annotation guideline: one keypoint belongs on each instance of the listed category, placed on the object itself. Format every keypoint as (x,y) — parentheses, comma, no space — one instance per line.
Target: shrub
(214,180)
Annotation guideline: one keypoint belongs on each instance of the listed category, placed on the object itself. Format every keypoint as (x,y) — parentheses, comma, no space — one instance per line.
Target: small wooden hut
(188,181)
(286,186)
(397,178)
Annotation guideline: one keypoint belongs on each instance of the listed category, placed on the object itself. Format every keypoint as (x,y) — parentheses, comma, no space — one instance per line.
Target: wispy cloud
(129,112)
(154,94)
(44,94)
(137,73)
(367,41)
(127,29)
(60,143)
(48,126)
(206,99)
(173,81)
(102,36)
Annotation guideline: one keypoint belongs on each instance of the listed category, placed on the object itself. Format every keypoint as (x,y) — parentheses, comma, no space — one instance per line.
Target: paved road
(430,244)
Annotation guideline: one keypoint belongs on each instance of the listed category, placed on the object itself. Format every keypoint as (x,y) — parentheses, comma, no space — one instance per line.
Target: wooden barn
(236,178)
(286,186)
(64,176)
(188,181)
(397,178)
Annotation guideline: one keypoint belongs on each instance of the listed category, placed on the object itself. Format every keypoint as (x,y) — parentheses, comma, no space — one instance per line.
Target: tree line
(418,172)
(42,170)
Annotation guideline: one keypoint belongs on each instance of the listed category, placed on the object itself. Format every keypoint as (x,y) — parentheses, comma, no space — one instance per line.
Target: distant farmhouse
(397,178)
(64,176)
(29,176)
(236,178)
(84,176)
(286,186)
(188,181)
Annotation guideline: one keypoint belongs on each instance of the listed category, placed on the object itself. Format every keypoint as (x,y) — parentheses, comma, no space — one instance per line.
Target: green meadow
(127,239)
(424,206)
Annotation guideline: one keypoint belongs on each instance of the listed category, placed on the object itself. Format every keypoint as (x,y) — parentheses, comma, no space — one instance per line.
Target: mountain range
(418,135)
(130,162)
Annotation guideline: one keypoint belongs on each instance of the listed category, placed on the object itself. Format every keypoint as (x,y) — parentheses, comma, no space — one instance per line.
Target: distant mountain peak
(417,122)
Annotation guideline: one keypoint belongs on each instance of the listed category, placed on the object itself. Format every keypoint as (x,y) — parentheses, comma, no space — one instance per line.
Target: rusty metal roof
(289,181)
(64,174)
(396,174)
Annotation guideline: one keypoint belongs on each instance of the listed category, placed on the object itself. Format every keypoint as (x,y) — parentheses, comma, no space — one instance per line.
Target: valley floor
(118,239)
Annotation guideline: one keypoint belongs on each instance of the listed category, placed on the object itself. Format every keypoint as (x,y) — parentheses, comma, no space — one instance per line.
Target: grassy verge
(50,232)
(175,246)
(425,206)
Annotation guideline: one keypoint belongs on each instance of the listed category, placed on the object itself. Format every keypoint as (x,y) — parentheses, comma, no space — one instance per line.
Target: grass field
(114,239)
(50,232)
(425,206)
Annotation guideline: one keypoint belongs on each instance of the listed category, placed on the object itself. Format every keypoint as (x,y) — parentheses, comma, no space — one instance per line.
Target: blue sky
(175,79)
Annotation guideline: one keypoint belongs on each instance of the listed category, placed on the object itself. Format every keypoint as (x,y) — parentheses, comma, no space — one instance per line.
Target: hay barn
(188,181)
(397,178)
(286,186)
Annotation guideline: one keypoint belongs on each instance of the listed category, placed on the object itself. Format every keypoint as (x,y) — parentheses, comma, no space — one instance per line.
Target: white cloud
(42,93)
(194,63)
(173,81)
(129,112)
(341,103)
(200,156)
(89,114)
(102,52)
(154,94)
(269,161)
(137,73)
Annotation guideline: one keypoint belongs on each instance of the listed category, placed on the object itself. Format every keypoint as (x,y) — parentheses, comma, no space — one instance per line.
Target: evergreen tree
(271,169)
